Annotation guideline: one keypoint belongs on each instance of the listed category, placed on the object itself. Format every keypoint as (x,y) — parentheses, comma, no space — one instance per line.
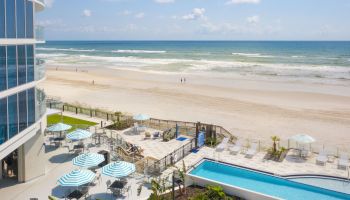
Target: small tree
(182,174)
(275,139)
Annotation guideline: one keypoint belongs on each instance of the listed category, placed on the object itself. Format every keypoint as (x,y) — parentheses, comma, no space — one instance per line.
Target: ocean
(288,60)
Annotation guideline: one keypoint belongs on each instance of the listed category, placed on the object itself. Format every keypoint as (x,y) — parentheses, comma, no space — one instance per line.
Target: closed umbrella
(118,169)
(79,134)
(77,178)
(88,160)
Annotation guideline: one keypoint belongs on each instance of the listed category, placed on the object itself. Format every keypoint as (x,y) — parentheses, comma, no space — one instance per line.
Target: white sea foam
(298,56)
(164,65)
(254,55)
(137,51)
(70,49)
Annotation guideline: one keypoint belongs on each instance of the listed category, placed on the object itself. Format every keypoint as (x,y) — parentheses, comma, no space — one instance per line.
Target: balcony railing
(39,70)
(40,104)
(39,33)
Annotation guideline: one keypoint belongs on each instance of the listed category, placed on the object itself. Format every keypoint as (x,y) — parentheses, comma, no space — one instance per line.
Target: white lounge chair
(222,146)
(322,157)
(252,150)
(343,161)
(234,149)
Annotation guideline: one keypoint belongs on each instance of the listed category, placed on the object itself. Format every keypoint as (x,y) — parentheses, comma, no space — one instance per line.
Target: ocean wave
(51,55)
(70,49)
(253,55)
(137,51)
(175,65)
(298,56)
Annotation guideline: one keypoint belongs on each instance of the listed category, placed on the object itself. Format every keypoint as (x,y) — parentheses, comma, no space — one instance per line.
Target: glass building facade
(16,19)
(19,111)
(26,105)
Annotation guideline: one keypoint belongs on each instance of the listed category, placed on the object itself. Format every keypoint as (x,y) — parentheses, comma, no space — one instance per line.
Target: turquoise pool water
(324,182)
(263,183)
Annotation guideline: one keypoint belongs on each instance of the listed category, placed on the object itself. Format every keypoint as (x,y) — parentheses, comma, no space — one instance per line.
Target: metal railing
(40,104)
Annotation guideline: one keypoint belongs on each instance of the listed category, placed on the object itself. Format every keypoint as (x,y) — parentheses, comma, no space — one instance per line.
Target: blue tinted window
(29,18)
(31,106)
(30,63)
(2,18)
(11,67)
(13,118)
(3,82)
(22,108)
(10,19)
(21,21)
(22,71)
(3,120)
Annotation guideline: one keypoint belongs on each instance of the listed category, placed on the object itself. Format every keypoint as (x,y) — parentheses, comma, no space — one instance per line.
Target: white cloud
(243,2)
(164,1)
(48,3)
(197,13)
(125,12)
(87,13)
(253,19)
(140,15)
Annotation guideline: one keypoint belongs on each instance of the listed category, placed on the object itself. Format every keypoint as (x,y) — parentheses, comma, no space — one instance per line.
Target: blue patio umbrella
(118,169)
(88,160)
(79,134)
(59,127)
(141,117)
(77,178)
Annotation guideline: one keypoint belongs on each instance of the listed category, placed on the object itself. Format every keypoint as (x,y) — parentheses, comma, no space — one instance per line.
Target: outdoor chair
(322,157)
(343,161)
(108,183)
(147,135)
(252,150)
(236,147)
(222,146)
(156,135)
(85,190)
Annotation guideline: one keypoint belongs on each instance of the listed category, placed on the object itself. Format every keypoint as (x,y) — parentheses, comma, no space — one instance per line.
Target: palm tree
(275,139)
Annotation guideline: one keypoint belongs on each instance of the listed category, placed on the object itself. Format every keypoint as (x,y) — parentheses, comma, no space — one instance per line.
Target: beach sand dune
(248,108)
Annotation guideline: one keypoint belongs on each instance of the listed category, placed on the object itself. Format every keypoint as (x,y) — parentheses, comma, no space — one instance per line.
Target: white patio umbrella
(141,117)
(79,134)
(59,127)
(88,160)
(77,178)
(118,169)
(303,138)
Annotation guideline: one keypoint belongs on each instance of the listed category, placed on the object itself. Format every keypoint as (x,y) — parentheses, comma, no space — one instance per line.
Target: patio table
(76,194)
(117,186)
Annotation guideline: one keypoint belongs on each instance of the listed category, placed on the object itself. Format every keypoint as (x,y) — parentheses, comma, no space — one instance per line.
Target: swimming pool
(256,183)
(330,183)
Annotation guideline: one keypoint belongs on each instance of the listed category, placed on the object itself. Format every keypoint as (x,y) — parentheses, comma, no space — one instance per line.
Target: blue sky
(196,19)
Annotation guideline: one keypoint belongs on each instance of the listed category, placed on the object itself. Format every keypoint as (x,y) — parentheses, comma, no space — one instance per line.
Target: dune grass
(74,122)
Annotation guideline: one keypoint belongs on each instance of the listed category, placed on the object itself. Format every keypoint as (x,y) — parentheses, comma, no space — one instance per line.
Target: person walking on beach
(184,80)
(181,79)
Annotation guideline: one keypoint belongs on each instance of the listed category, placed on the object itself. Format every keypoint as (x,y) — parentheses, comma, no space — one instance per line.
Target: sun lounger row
(237,147)
(343,161)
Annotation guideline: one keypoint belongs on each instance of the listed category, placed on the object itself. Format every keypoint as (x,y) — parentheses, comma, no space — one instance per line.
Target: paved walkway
(59,162)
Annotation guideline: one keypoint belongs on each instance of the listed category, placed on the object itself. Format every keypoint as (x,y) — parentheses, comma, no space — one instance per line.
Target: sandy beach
(248,108)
